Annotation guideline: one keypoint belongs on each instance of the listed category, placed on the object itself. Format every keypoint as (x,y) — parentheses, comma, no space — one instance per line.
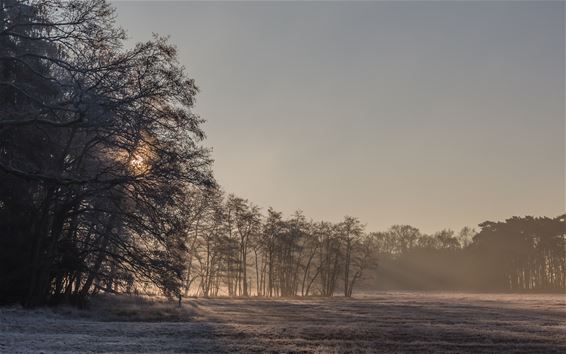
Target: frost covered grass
(372,322)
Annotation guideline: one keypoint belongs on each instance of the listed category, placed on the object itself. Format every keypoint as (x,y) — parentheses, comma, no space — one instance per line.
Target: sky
(438,114)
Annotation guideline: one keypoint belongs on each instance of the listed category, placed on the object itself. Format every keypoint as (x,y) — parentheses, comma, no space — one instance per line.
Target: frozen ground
(381,322)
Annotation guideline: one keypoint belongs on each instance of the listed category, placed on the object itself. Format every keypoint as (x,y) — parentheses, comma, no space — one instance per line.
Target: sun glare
(137,162)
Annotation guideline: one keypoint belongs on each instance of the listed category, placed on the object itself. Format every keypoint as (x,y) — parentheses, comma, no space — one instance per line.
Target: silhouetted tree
(522,253)
(97,148)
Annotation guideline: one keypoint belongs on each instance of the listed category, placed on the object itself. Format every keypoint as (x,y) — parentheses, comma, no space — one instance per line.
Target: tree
(106,147)
(352,231)
(247,224)
(330,258)
(522,253)
(272,230)
(364,256)
(406,237)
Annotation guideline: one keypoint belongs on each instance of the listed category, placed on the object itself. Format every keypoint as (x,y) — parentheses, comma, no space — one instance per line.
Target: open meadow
(227,176)
(377,322)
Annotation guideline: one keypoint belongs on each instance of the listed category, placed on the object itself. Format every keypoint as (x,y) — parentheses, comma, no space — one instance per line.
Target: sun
(139,162)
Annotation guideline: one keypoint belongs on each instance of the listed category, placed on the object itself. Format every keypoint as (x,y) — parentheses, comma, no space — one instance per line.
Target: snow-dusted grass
(372,322)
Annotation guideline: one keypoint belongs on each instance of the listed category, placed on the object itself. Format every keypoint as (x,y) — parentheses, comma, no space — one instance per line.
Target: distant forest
(106,186)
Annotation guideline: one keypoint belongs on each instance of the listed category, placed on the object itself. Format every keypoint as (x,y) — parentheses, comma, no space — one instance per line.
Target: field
(379,322)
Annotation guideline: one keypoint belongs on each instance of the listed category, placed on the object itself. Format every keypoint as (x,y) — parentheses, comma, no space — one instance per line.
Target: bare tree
(106,147)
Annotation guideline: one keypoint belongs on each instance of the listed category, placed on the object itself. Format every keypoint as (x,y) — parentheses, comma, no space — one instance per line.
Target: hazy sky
(434,114)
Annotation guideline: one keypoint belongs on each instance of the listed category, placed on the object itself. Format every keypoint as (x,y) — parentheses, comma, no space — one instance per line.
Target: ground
(379,322)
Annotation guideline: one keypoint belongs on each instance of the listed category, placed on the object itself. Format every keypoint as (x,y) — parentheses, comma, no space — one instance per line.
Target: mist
(319,177)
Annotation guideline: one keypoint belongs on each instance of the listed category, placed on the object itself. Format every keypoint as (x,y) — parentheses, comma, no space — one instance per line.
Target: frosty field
(379,322)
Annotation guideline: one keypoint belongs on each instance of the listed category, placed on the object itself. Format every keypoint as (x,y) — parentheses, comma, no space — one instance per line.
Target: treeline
(522,254)
(519,254)
(237,251)
(234,250)
(105,186)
